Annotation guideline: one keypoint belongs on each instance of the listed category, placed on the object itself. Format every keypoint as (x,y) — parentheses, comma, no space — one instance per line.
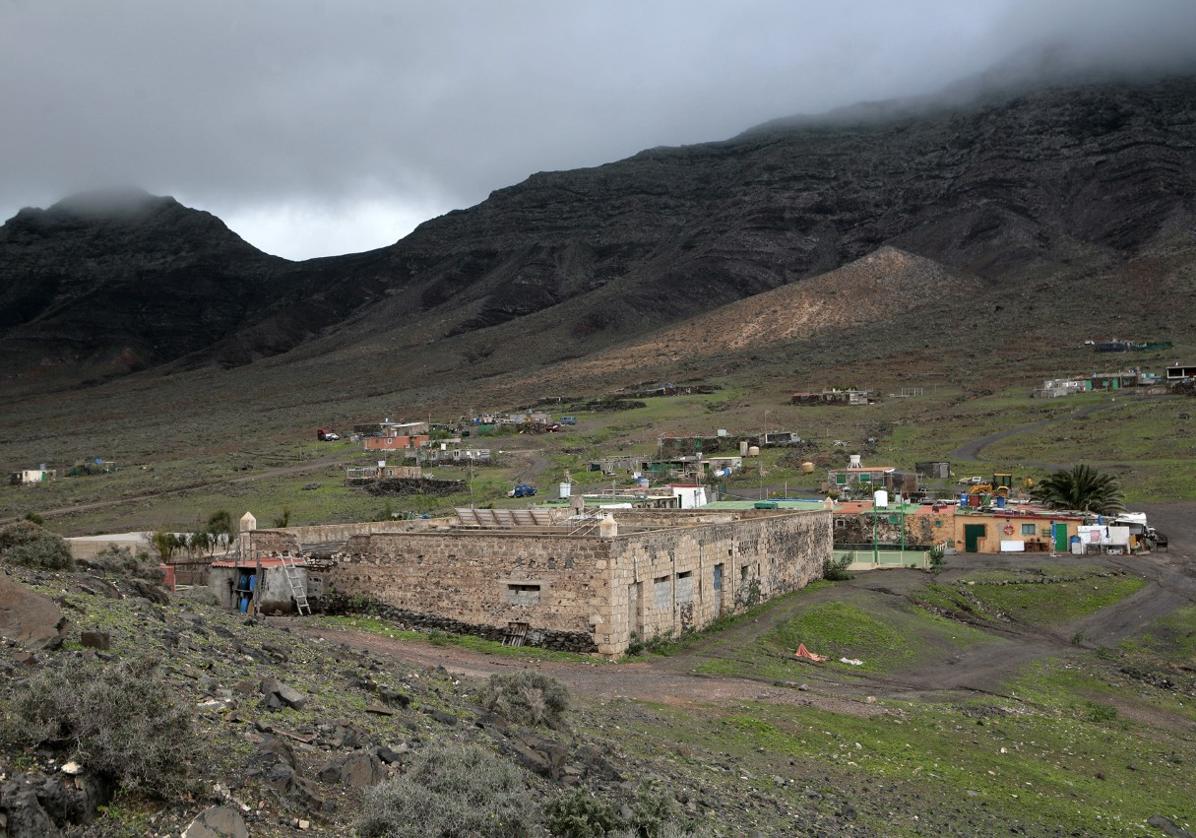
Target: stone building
(589,582)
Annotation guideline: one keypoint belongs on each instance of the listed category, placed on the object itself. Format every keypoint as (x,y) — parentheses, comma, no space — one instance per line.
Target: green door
(972,533)
(1060,531)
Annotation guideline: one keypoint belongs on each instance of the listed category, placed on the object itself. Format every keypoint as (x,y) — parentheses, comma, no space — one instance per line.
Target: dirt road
(971,450)
(1170,584)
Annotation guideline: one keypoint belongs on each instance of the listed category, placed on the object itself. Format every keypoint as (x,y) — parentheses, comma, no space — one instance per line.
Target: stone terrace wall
(668,581)
(483,581)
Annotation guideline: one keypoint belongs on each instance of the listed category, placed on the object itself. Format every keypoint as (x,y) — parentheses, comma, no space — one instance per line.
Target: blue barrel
(1000,501)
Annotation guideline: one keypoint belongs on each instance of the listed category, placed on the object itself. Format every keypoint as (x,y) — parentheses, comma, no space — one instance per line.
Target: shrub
(836,570)
(167,544)
(220,523)
(451,790)
(652,813)
(122,560)
(26,543)
(655,812)
(527,697)
(121,721)
(578,814)
(35,518)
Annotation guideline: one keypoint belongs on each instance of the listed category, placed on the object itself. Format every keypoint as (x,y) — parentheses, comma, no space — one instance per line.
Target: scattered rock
(1168,827)
(152,591)
(356,771)
(442,717)
(96,639)
(278,694)
(390,755)
(217,822)
(538,755)
(29,618)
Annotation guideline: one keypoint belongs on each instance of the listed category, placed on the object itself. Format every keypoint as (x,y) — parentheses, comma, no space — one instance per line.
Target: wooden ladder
(297,590)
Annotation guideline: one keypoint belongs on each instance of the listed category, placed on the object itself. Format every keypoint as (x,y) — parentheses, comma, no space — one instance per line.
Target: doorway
(972,533)
(635,609)
(1060,533)
(718,590)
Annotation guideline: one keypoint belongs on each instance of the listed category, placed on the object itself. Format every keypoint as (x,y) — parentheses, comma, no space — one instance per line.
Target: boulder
(538,755)
(96,639)
(282,695)
(24,816)
(29,618)
(217,822)
(356,771)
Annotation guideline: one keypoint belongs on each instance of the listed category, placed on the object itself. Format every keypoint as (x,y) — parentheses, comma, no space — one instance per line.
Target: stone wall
(553,583)
(678,579)
(672,572)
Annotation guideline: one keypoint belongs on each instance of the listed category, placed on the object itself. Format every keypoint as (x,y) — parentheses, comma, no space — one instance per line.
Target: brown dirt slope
(872,289)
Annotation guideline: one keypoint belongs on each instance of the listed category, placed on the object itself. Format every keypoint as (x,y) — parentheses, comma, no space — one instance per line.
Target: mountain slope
(877,288)
(120,281)
(1058,184)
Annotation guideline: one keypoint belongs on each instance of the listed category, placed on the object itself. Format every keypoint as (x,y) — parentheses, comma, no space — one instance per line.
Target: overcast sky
(314,128)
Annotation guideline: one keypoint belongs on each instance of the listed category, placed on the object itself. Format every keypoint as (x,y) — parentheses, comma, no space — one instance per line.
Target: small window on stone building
(840,523)
(685,587)
(523,594)
(661,593)
(743,574)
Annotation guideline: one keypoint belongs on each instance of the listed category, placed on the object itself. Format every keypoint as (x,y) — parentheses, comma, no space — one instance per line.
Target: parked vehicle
(326,435)
(522,490)
(568,420)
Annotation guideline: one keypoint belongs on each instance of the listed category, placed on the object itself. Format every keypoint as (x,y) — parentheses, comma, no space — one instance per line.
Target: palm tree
(1082,489)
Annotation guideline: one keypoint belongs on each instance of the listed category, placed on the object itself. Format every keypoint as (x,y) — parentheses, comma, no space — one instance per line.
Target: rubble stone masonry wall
(681,578)
(555,583)
(666,574)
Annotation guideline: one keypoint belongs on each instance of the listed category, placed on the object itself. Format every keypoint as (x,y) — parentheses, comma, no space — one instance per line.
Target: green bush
(451,791)
(836,571)
(655,812)
(652,813)
(121,721)
(124,561)
(579,814)
(26,543)
(527,697)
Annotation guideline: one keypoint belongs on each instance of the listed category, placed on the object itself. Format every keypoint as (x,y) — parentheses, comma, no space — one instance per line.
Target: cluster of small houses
(1135,380)
(44,474)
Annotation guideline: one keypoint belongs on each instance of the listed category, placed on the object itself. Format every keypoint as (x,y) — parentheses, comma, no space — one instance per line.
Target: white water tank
(566,489)
(880,499)
(754,451)
(743,447)
(854,461)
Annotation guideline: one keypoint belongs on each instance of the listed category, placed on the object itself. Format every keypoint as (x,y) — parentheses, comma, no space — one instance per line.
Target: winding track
(1170,584)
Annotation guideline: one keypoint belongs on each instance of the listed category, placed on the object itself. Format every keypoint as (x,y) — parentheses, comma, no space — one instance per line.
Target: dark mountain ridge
(1054,183)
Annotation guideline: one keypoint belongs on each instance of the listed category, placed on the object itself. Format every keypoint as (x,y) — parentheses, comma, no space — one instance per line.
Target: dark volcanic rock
(29,618)
(1007,189)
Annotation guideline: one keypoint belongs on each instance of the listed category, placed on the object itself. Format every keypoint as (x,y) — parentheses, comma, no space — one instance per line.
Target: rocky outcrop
(29,618)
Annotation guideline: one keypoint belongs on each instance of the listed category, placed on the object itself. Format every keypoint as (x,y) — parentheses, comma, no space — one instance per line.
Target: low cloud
(317,127)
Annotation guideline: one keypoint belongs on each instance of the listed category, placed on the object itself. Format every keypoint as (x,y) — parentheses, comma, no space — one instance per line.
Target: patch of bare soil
(643,681)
